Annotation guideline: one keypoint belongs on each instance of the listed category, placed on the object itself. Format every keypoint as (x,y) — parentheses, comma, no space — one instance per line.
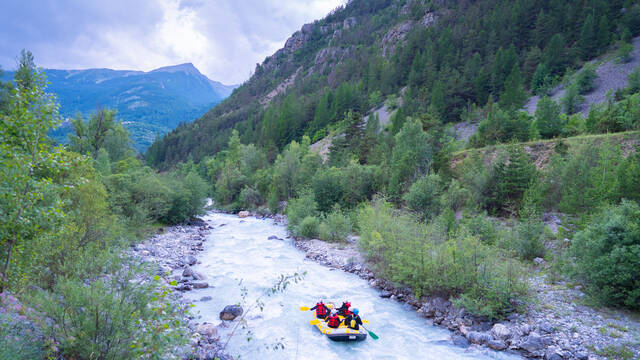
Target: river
(240,250)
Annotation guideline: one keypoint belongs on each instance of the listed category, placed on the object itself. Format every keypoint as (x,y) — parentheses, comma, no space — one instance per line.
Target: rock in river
(231,312)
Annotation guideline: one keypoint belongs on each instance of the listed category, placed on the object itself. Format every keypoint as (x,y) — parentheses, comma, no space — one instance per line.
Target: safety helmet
(347,303)
(355,311)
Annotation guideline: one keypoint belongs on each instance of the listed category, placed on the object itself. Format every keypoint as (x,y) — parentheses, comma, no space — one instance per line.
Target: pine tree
(587,43)
(514,95)
(548,120)
(540,80)
(554,55)
(604,33)
(513,178)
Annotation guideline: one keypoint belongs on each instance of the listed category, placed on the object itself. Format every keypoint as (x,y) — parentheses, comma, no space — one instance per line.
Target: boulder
(273,237)
(553,353)
(385,294)
(231,312)
(206,298)
(479,338)
(582,355)
(190,260)
(500,332)
(497,344)
(200,285)
(460,341)
(208,330)
(546,327)
(539,261)
(243,214)
(525,329)
(187,272)
(532,343)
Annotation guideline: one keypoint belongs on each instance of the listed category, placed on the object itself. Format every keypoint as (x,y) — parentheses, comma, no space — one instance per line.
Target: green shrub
(327,188)
(111,318)
(548,121)
(481,227)
(299,208)
(607,256)
(424,196)
(335,226)
(633,84)
(529,239)
(624,54)
(422,257)
(250,198)
(308,227)
(585,80)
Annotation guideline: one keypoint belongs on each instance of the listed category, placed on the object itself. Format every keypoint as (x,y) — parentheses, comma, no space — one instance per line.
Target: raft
(342,333)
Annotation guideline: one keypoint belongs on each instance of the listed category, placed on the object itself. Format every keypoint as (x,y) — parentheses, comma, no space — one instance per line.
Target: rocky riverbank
(555,325)
(173,251)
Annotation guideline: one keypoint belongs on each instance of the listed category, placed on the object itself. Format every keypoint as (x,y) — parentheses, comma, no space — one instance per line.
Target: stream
(240,250)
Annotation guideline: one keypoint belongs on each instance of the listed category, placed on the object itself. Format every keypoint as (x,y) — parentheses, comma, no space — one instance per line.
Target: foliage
(624,53)
(423,257)
(607,256)
(300,208)
(423,196)
(336,226)
(548,120)
(114,318)
(309,227)
(411,158)
(502,126)
(529,239)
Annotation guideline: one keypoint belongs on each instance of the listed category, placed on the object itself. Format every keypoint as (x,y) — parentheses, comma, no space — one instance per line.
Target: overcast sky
(224,39)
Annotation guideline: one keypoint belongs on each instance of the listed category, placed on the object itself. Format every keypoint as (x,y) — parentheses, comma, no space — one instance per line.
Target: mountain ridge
(149,103)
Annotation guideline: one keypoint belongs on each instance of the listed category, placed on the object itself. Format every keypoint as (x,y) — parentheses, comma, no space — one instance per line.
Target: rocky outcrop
(397,34)
(328,56)
(243,214)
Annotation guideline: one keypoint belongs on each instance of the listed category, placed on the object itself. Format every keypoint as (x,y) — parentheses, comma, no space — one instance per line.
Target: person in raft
(333,321)
(353,320)
(321,310)
(344,309)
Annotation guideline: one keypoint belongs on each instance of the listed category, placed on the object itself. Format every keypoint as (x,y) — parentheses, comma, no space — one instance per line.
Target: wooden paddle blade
(304,308)
(314,322)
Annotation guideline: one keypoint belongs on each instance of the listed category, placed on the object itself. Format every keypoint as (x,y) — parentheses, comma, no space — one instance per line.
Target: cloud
(223,38)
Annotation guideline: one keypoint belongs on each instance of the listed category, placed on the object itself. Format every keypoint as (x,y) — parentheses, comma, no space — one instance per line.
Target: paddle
(314,322)
(373,336)
(304,308)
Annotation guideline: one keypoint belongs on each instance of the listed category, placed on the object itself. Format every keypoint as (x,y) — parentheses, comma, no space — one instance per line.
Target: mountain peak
(188,68)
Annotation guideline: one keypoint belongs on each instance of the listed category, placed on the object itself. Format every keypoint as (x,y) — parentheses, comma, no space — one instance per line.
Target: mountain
(148,103)
(432,58)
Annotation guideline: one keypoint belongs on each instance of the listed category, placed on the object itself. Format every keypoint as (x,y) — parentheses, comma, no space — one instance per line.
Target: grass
(617,327)
(621,352)
(458,156)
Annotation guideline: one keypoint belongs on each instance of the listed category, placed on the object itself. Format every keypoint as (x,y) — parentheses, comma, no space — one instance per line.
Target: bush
(308,227)
(335,227)
(585,81)
(481,227)
(424,196)
(111,318)
(624,54)
(327,189)
(529,239)
(300,208)
(420,256)
(607,256)
(633,85)
(548,121)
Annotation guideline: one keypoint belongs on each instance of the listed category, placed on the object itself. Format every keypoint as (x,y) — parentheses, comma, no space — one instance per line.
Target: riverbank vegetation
(69,214)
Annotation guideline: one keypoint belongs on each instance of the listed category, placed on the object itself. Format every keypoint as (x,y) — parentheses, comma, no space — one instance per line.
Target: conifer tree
(554,54)
(514,178)
(604,33)
(587,43)
(514,95)
(548,120)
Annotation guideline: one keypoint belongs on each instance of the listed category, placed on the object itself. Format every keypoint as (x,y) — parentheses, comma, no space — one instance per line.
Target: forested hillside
(445,56)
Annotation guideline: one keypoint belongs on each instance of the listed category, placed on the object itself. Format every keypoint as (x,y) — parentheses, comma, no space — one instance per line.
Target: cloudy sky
(222,38)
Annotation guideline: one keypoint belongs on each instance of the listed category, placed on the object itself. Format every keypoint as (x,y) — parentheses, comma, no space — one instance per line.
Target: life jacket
(321,309)
(344,309)
(333,321)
